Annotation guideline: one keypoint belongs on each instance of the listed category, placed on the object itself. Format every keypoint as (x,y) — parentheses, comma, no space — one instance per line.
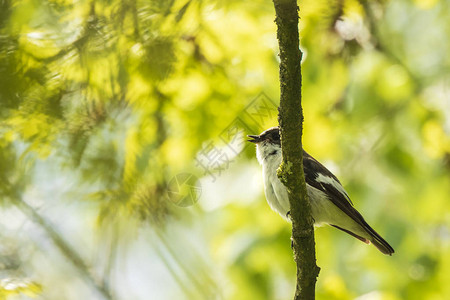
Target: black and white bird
(330,203)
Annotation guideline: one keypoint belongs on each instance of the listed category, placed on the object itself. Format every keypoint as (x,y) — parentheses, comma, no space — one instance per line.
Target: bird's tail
(378,241)
(375,238)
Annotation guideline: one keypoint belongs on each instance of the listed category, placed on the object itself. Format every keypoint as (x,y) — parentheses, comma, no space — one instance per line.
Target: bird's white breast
(322,209)
(276,192)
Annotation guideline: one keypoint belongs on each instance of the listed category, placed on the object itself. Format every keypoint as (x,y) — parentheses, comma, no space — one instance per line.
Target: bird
(330,203)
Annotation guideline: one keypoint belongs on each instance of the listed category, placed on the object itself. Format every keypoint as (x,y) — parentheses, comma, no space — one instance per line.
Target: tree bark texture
(291,173)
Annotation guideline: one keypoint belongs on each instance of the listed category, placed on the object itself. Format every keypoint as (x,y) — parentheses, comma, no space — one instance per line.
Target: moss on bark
(291,173)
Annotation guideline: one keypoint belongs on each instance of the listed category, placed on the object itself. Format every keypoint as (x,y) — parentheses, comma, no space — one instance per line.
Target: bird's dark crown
(271,135)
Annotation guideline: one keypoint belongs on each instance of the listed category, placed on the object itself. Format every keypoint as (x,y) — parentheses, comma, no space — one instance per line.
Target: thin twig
(65,248)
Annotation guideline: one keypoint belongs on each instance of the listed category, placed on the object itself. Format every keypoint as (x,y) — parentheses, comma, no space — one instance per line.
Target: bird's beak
(254,139)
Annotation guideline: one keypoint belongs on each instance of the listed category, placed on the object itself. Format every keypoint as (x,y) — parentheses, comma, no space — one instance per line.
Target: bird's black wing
(312,169)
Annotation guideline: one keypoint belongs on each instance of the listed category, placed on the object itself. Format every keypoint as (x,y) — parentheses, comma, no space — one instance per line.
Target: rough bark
(291,173)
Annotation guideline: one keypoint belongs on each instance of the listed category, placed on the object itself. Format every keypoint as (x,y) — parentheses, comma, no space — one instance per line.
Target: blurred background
(124,171)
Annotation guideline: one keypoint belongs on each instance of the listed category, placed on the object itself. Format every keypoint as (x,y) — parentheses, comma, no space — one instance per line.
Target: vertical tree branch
(291,172)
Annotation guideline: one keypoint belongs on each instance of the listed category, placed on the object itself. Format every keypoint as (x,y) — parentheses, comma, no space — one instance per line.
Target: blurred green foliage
(103,103)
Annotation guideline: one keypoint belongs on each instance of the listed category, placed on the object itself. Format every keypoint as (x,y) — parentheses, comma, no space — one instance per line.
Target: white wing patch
(329,180)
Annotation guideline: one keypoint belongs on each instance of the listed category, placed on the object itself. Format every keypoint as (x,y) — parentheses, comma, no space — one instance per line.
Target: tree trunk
(291,172)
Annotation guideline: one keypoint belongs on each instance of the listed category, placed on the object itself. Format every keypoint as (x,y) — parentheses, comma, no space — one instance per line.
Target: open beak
(254,139)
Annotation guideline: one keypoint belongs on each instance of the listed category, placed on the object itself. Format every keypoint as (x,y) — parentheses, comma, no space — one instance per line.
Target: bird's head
(268,143)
